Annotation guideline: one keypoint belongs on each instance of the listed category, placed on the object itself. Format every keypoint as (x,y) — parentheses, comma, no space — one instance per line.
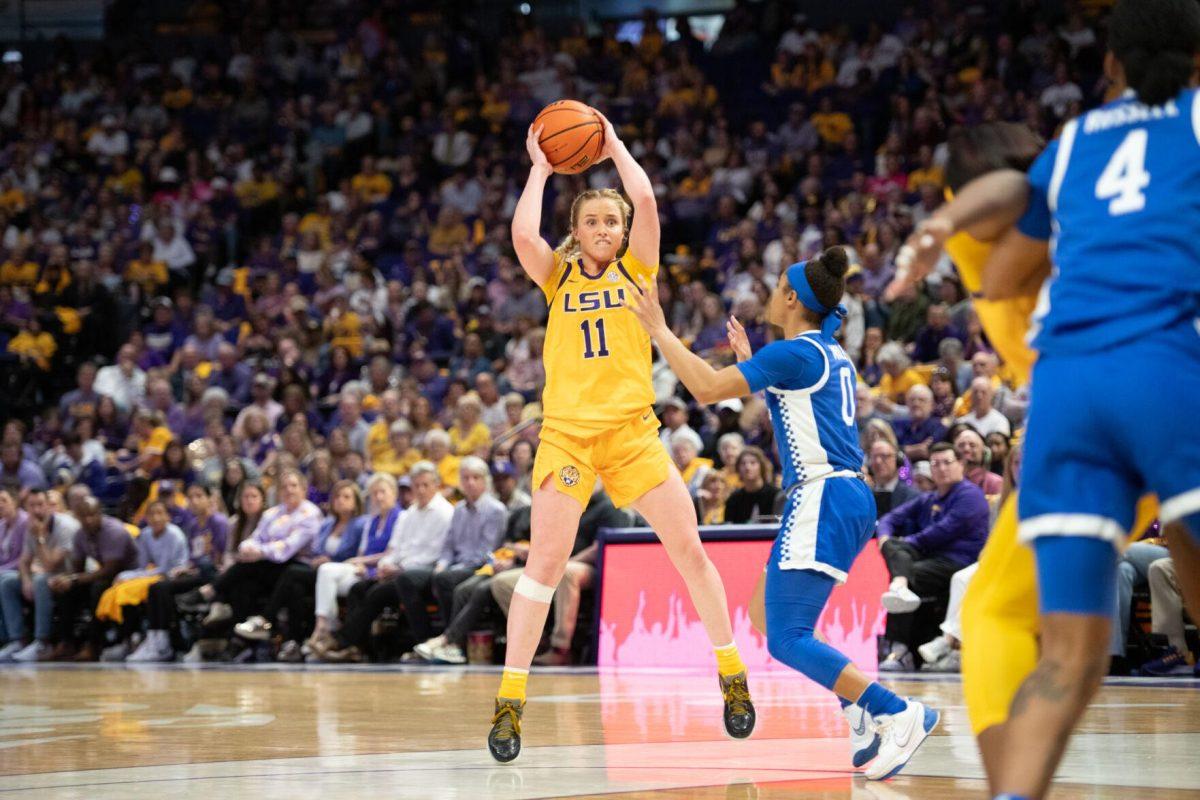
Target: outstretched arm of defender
(644,232)
(985,208)
(535,255)
(706,384)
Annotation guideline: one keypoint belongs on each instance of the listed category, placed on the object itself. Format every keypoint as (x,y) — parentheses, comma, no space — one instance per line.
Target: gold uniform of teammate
(1000,610)
(598,416)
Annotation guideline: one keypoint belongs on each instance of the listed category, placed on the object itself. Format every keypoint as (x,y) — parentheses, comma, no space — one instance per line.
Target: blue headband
(831,318)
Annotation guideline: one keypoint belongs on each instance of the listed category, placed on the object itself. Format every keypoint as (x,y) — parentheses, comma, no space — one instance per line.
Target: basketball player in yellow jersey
(599,423)
(1000,611)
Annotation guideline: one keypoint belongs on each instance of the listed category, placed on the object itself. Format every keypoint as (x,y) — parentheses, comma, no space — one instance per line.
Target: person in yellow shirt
(928,173)
(817,71)
(729,447)
(12,197)
(448,233)
(710,499)
(697,184)
(344,328)
(400,455)
(18,269)
(126,179)
(437,450)
(898,376)
(468,435)
(598,421)
(685,452)
(259,190)
(378,436)
(371,185)
(319,220)
(150,439)
(151,275)
(34,345)
(832,126)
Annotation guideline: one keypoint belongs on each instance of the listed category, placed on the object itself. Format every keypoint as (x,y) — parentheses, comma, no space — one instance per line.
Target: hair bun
(835,262)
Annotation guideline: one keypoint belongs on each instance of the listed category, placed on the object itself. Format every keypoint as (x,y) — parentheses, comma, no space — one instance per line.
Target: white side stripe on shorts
(1180,506)
(1091,525)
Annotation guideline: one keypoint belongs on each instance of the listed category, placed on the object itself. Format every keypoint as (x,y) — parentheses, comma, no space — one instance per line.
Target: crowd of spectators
(248,273)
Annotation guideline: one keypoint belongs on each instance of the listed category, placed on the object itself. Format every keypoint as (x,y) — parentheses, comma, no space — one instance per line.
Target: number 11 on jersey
(586,326)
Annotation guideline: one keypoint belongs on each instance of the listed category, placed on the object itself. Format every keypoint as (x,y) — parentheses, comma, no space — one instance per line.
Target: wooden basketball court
(264,732)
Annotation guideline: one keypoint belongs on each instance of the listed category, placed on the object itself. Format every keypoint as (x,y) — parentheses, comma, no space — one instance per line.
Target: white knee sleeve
(537,592)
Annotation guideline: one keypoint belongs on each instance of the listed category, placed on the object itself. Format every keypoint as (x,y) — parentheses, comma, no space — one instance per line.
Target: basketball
(572,135)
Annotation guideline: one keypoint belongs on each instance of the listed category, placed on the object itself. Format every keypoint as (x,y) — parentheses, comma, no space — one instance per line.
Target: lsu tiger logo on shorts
(569,476)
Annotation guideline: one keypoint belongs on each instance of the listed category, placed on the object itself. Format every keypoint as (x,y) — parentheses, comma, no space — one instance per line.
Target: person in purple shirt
(924,542)
(105,540)
(18,472)
(81,401)
(207,532)
(14,523)
(918,433)
(162,549)
(937,328)
(284,534)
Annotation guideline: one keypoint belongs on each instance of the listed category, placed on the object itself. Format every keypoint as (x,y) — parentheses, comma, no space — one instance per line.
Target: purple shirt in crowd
(111,543)
(284,535)
(953,525)
(12,539)
(207,541)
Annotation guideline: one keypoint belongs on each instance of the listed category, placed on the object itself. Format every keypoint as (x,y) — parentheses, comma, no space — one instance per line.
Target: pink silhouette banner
(647,618)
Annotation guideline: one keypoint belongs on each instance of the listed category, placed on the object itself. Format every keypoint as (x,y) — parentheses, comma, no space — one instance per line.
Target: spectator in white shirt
(416,544)
(124,382)
(1059,95)
(171,248)
(983,417)
(109,140)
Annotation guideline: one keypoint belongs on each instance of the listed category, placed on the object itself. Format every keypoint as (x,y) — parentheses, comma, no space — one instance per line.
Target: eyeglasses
(943,463)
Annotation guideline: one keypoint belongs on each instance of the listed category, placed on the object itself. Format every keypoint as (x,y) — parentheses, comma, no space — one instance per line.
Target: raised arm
(535,255)
(644,233)
(985,208)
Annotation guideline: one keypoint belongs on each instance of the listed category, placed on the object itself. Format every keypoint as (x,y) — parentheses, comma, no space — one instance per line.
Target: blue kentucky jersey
(1118,196)
(810,384)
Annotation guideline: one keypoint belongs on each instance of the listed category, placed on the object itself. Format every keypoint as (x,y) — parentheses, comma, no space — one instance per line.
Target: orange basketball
(572,135)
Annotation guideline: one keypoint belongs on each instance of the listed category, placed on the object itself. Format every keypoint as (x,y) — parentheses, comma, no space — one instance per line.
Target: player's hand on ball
(536,154)
(610,137)
(919,255)
(738,339)
(645,305)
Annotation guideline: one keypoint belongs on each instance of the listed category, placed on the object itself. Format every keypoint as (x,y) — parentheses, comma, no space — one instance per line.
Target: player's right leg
(1078,492)
(1076,579)
(1000,633)
(557,507)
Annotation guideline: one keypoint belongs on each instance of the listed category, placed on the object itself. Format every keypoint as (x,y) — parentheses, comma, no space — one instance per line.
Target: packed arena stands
(256,259)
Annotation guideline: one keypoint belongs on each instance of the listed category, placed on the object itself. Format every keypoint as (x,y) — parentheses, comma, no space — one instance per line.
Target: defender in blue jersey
(1116,203)
(809,383)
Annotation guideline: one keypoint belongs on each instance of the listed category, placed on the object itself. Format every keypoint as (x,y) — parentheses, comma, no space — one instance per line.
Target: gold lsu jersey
(596,354)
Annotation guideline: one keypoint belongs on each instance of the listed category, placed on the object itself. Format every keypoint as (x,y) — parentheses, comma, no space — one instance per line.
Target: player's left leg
(669,509)
(794,600)
(638,472)
(1076,579)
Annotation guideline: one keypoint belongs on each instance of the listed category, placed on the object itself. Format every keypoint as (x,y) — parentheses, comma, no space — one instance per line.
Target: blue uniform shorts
(1105,428)
(825,525)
